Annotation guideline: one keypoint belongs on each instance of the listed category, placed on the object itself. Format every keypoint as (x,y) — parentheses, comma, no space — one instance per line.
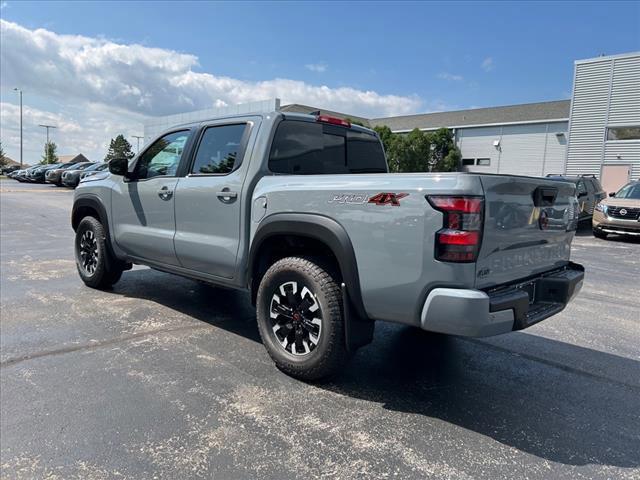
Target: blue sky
(415,57)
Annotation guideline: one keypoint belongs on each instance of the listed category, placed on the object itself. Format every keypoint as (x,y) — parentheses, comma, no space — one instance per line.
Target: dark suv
(588,190)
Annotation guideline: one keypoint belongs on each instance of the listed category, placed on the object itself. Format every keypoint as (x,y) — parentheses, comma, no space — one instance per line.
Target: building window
(468,161)
(623,133)
(484,162)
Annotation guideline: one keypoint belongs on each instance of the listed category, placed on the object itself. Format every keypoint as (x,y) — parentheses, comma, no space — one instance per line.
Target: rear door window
(219,149)
(311,148)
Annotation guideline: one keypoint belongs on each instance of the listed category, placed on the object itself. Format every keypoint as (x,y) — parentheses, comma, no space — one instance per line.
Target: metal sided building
(529,139)
(604,129)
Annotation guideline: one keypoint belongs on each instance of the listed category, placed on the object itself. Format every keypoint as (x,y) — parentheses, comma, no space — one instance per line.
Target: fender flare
(321,228)
(93,202)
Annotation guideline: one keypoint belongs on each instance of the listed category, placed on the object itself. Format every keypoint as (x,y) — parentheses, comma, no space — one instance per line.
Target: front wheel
(95,266)
(299,310)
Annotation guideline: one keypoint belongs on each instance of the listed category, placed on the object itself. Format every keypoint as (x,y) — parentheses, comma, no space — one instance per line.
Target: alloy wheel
(296,318)
(88,252)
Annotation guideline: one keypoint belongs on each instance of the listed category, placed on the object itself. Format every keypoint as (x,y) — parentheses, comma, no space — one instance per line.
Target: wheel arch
(88,206)
(92,206)
(322,232)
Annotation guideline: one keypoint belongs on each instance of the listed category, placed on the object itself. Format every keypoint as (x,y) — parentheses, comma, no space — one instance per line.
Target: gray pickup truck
(301,211)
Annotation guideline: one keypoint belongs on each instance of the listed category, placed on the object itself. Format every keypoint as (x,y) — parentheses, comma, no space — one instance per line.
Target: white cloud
(83,129)
(317,67)
(487,64)
(101,83)
(450,76)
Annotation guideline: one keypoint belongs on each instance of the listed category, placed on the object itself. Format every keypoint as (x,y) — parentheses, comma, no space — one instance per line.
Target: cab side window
(219,149)
(162,157)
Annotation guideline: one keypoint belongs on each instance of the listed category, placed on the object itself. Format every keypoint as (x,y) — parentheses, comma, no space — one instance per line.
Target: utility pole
(20,92)
(137,137)
(46,150)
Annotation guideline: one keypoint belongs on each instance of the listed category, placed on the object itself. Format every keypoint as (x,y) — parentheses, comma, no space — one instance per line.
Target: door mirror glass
(119,166)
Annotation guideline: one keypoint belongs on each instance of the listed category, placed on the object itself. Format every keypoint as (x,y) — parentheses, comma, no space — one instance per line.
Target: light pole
(137,137)
(46,145)
(20,92)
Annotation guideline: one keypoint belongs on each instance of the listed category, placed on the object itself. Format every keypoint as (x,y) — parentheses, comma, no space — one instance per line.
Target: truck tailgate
(528,227)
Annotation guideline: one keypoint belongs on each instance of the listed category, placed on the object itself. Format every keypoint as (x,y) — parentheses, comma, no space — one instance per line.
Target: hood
(621,202)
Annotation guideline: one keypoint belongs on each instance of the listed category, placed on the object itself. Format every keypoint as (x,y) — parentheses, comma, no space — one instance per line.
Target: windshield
(631,191)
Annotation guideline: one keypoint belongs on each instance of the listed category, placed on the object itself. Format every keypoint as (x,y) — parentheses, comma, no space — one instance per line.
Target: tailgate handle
(544,196)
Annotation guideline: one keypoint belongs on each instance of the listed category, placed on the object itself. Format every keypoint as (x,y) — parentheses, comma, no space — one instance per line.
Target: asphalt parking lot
(163,377)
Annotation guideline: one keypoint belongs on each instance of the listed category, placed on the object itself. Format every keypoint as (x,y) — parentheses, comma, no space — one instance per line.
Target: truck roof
(287,115)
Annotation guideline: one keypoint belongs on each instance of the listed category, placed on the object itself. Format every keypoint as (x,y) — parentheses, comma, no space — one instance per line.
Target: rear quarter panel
(394,245)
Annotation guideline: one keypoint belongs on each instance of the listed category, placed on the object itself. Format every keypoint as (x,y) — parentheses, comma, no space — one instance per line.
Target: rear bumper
(502,309)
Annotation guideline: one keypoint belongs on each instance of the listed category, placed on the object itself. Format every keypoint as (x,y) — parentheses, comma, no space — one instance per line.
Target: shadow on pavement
(220,307)
(561,416)
(553,411)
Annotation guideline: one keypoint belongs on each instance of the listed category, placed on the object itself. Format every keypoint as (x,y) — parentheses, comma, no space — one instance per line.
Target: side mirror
(612,194)
(119,166)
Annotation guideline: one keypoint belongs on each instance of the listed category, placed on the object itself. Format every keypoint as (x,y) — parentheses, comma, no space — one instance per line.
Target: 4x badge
(383,198)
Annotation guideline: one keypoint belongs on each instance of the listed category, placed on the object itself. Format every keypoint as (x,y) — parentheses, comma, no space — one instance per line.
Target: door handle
(165,194)
(226,195)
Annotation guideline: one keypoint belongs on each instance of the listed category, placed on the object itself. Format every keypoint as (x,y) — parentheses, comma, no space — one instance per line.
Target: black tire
(326,356)
(101,271)
(599,234)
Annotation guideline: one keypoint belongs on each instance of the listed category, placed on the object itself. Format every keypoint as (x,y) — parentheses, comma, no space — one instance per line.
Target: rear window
(596,185)
(311,148)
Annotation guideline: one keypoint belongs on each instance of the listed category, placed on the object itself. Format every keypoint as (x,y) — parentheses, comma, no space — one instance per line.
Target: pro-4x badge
(387,198)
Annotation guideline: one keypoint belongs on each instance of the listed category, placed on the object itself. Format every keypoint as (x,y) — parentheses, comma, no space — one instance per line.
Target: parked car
(588,190)
(37,175)
(9,169)
(301,212)
(619,214)
(101,167)
(54,175)
(23,175)
(71,176)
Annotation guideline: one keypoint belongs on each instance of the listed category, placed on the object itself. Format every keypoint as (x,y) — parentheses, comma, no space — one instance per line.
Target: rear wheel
(599,234)
(299,310)
(96,267)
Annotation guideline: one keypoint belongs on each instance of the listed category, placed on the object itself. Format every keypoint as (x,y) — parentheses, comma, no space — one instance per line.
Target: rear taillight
(461,234)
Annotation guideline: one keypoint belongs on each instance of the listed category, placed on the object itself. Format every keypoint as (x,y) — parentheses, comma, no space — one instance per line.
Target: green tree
(389,142)
(50,153)
(411,152)
(445,151)
(119,148)
(3,157)
(417,151)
